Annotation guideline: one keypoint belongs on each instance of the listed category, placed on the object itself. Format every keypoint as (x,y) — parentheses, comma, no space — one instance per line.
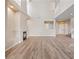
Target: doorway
(60,27)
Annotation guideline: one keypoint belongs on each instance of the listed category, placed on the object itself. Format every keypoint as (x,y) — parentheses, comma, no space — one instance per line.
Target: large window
(29,7)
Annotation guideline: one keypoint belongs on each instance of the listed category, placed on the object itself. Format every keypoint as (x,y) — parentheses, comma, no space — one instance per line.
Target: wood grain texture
(60,47)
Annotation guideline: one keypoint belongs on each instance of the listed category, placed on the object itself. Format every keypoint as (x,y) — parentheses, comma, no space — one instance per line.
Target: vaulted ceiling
(44,9)
(67,14)
(49,9)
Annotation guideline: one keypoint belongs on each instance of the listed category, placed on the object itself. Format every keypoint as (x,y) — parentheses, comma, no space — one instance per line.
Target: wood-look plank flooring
(60,47)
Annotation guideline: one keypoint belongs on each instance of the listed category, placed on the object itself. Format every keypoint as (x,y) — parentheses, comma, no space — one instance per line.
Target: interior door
(61,28)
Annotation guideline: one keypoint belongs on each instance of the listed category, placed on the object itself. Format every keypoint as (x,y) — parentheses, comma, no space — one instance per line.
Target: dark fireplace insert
(24,35)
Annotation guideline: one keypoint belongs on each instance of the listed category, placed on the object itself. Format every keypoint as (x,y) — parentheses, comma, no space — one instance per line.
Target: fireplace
(24,35)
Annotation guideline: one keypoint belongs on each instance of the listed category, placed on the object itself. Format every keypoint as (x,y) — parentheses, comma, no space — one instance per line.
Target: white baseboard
(12,46)
(41,35)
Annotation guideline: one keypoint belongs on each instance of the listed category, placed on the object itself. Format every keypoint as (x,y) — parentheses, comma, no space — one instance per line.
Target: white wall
(10,29)
(38,28)
(15,25)
(39,12)
(72,27)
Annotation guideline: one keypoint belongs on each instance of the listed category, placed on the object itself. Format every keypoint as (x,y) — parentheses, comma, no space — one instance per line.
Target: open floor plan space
(40,47)
(39,29)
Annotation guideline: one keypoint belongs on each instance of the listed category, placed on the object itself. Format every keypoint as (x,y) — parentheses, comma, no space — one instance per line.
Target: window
(50,26)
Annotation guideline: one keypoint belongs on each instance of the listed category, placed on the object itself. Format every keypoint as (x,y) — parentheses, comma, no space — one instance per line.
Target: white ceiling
(45,1)
(42,9)
(67,14)
(46,9)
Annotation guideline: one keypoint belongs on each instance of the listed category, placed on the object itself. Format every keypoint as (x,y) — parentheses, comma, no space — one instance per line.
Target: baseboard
(12,46)
(8,50)
(41,35)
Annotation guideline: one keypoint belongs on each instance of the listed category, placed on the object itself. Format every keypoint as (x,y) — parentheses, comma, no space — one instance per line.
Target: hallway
(40,47)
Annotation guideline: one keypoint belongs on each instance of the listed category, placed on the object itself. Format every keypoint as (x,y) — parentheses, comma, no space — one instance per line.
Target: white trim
(41,35)
(12,46)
